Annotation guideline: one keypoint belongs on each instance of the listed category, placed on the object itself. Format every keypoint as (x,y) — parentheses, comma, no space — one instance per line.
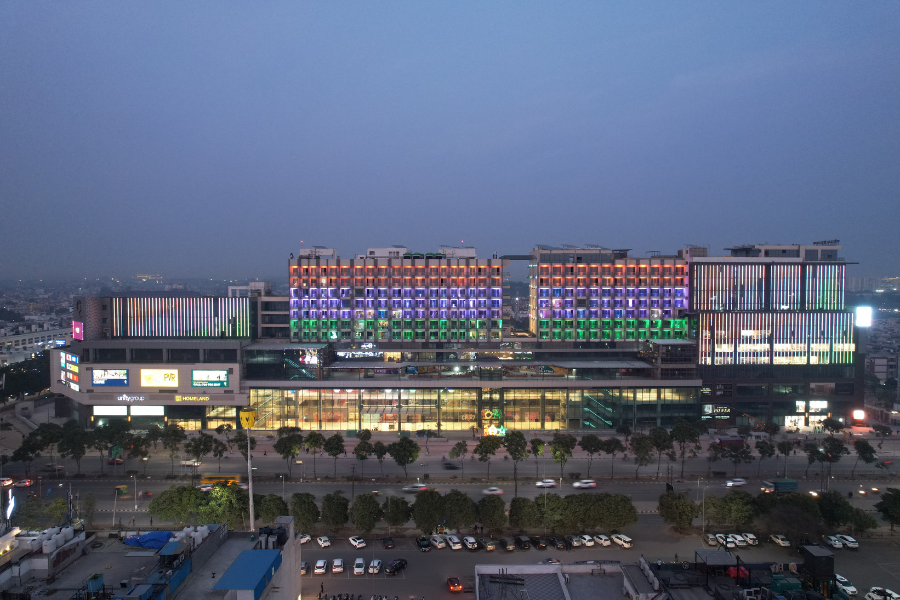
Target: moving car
(506,544)
(736,482)
(523,542)
(359,567)
(387,542)
(115,461)
(546,483)
(438,542)
(711,540)
(586,540)
(492,491)
(843,584)
(357,542)
(5,481)
(470,543)
(584,484)
(601,540)
(423,544)
(414,488)
(780,540)
(550,561)
(395,566)
(833,541)
(304,538)
(375,567)
(751,539)
(323,541)
(337,565)
(454,542)
(622,540)
(321,567)
(453,584)
(24,483)
(450,465)
(848,541)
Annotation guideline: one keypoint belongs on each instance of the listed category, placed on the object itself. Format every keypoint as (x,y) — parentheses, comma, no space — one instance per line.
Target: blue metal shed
(251,570)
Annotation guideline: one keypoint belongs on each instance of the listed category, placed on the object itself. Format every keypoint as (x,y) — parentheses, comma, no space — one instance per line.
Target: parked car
(454,542)
(357,542)
(488,544)
(555,542)
(876,593)
(546,483)
(711,540)
(584,484)
(573,541)
(492,491)
(470,543)
(843,584)
(359,567)
(601,540)
(507,544)
(438,542)
(304,538)
(414,488)
(848,541)
(423,544)
(323,541)
(738,540)
(736,482)
(387,542)
(321,567)
(724,540)
(622,540)
(454,585)
(304,568)
(375,567)
(751,539)
(780,540)
(833,541)
(337,565)
(538,542)
(586,540)
(523,542)
(395,566)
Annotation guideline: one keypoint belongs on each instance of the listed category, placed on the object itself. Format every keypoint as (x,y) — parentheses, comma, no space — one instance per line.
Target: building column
(543,409)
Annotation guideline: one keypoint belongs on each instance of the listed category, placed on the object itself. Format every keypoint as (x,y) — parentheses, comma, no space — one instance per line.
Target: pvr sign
(159,377)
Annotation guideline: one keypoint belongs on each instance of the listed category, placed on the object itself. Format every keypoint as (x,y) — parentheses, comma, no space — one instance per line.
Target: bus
(226,478)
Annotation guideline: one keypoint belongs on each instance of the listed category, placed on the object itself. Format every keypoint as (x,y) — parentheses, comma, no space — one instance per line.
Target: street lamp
(135,491)
(282,487)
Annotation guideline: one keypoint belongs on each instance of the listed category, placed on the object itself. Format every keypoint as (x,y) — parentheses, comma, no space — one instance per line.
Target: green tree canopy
(226,504)
(889,506)
(517,447)
(379,449)
(642,450)
(404,452)
(304,511)
(561,447)
(270,508)
(613,446)
(524,513)
(492,512)
(314,442)
(735,508)
(181,504)
(618,511)
(685,434)
(592,445)
(288,447)
(335,510)
(865,452)
(486,448)
(458,452)
(397,511)
(662,444)
(552,509)
(365,512)
(428,510)
(334,447)
(677,510)
(459,509)
(765,449)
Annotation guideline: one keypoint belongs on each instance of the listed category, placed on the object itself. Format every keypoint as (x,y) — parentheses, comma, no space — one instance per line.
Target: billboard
(159,378)
(110,377)
(209,378)
(77,330)
(147,411)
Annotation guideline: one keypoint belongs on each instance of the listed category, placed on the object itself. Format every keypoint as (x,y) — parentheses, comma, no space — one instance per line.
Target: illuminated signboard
(71,358)
(127,398)
(62,360)
(863,316)
(179,398)
(147,411)
(110,411)
(10,505)
(77,330)
(71,367)
(74,386)
(159,377)
(209,378)
(60,343)
(110,377)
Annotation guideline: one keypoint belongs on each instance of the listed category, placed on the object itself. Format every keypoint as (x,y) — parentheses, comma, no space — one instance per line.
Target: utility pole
(250,482)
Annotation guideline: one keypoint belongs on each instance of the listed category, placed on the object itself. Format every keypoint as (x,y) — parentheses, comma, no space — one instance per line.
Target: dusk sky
(207,139)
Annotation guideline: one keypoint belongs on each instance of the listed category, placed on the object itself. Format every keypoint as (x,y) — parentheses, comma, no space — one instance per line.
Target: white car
(848,541)
(711,540)
(321,567)
(375,567)
(546,483)
(587,540)
(5,481)
(357,542)
(751,539)
(454,542)
(470,543)
(323,541)
(304,538)
(780,540)
(736,482)
(724,540)
(437,541)
(881,594)
(844,585)
(492,491)
(601,540)
(206,487)
(415,487)
(738,540)
(833,541)
(584,484)
(622,540)
(337,565)
(359,567)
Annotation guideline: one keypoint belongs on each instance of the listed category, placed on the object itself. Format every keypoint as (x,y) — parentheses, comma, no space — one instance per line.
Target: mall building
(392,340)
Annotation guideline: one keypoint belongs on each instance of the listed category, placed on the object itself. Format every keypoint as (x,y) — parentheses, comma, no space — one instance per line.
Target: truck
(779,486)
(730,441)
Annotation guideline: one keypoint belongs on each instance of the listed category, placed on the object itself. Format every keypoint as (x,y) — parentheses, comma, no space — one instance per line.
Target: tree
(836,510)
(537,446)
(335,510)
(271,507)
(553,512)
(139,447)
(379,449)
(219,448)
(486,448)
(517,448)
(624,429)
(833,449)
(866,452)
(154,434)
(523,514)
(227,504)
(832,425)
(714,452)
(618,511)
(889,506)
(613,446)
(404,452)
(765,449)
(172,436)
(677,510)
(460,510)
(492,512)
(364,435)
(26,453)
(561,447)
(428,510)
(459,451)
(772,428)
(737,455)
(686,436)
(225,430)
(288,447)
(662,443)
(743,430)
(314,442)
(735,508)
(365,512)
(811,449)
(642,449)
(181,504)
(591,444)
(362,451)
(793,521)
(239,439)
(88,508)
(586,510)
(304,511)
(785,447)
(882,431)
(199,447)
(397,511)
(49,436)
(30,512)
(334,447)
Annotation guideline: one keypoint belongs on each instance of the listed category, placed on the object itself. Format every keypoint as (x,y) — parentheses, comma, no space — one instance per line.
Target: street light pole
(250,482)
(135,491)
(282,487)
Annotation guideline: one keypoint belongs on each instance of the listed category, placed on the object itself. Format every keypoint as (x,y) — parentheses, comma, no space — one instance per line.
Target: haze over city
(208,140)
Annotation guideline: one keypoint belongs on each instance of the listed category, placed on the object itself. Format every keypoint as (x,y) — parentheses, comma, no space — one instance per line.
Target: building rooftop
(248,569)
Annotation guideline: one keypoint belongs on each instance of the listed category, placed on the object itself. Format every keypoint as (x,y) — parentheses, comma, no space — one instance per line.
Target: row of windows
(593,334)
(418,335)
